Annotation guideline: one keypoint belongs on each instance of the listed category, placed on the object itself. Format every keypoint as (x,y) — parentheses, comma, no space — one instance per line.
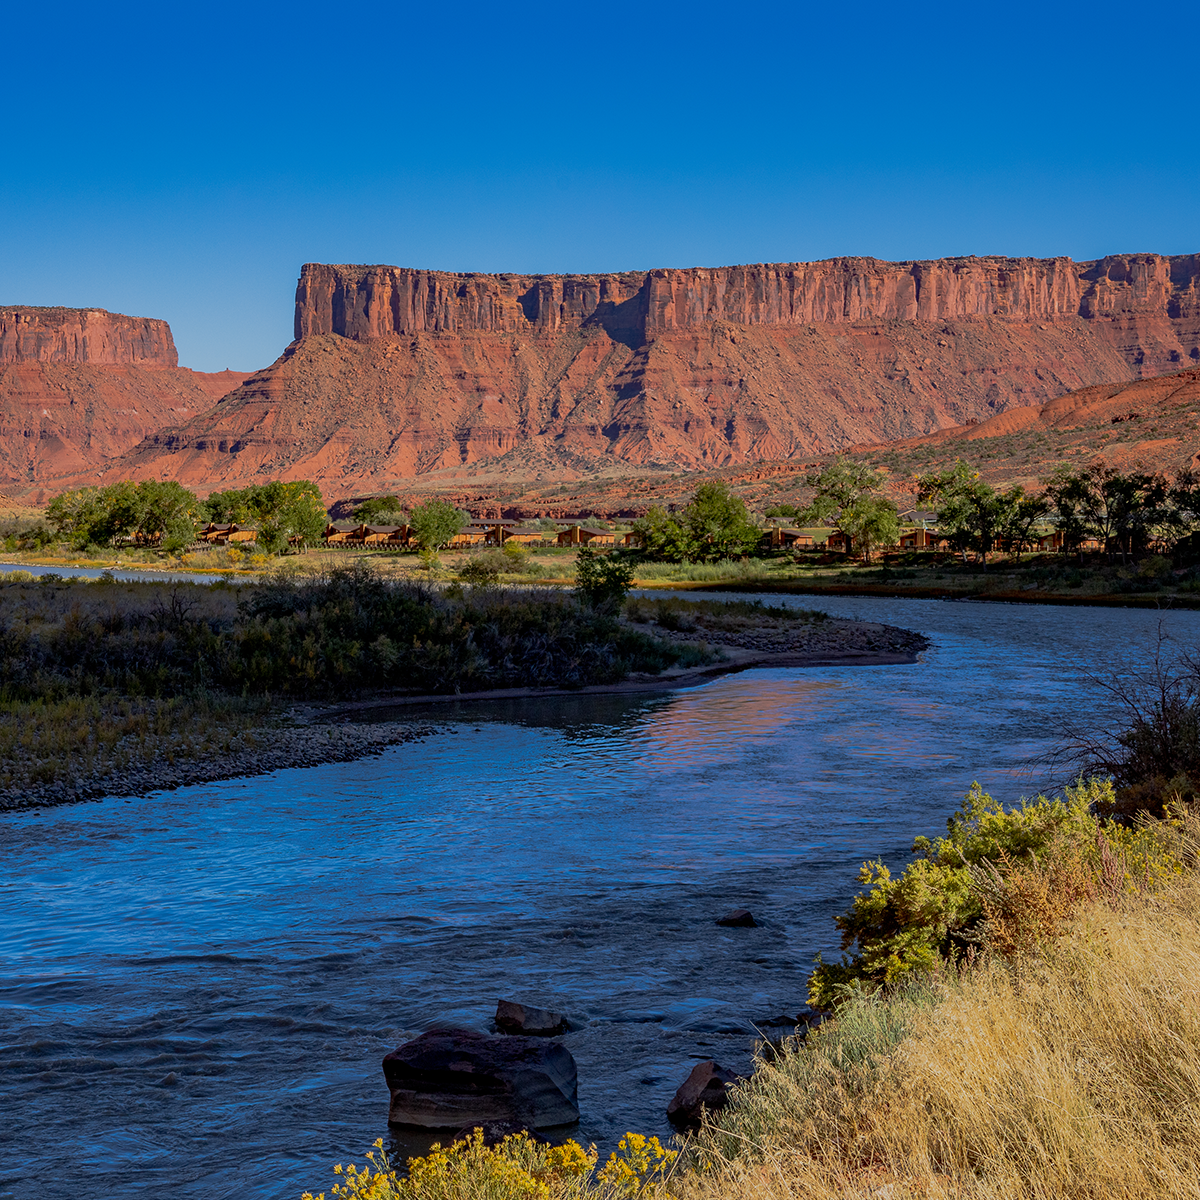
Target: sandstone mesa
(400,374)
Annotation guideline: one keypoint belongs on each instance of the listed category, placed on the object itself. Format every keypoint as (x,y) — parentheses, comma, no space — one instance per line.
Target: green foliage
(602,579)
(849,494)
(284,513)
(155,512)
(715,525)
(974,515)
(1124,512)
(435,522)
(381,510)
(907,924)
(342,633)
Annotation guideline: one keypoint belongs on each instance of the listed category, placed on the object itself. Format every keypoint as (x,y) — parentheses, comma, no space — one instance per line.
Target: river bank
(165,750)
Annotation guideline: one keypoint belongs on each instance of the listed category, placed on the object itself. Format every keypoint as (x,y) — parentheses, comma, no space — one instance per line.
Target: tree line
(164,513)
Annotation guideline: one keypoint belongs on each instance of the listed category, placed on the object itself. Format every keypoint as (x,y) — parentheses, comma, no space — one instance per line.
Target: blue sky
(183,161)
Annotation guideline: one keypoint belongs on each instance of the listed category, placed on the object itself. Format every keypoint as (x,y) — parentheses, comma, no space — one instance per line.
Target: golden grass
(88,740)
(1076,1074)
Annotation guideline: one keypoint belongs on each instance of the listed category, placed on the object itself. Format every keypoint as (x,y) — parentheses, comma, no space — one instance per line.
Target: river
(197,987)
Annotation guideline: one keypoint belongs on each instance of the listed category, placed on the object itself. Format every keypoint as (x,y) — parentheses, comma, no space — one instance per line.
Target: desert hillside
(79,387)
(399,375)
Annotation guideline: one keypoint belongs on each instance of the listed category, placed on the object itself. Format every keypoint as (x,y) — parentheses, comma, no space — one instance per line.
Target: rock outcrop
(707,1087)
(79,387)
(364,303)
(399,374)
(84,335)
(454,1079)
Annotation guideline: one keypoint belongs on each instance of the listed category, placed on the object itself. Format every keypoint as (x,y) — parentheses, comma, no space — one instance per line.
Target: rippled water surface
(196,988)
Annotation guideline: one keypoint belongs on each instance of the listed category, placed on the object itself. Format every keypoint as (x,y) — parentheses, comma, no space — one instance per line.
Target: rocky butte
(80,386)
(398,373)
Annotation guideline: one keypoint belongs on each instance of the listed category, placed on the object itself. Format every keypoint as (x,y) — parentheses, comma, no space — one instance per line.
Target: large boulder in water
(455,1078)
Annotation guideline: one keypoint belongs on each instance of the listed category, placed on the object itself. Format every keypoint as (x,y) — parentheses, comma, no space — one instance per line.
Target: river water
(197,987)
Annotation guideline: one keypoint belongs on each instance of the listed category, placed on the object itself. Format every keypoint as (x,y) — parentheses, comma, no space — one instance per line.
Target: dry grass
(1072,1074)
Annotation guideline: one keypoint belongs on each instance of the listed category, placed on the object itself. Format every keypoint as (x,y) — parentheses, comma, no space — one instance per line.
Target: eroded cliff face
(398,373)
(84,335)
(80,387)
(363,303)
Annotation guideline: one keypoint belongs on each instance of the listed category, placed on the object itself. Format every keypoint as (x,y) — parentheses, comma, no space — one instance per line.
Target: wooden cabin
(524,535)
(582,535)
(474,534)
(918,539)
(777,538)
(385,535)
(631,539)
(839,540)
(222,535)
(343,535)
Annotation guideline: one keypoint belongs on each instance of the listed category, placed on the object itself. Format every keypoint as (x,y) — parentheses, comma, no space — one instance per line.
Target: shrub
(517,1168)
(1016,876)
(602,579)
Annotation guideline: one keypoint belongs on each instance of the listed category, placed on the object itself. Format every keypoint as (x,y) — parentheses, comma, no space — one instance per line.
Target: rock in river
(534,1022)
(455,1078)
(739,917)
(706,1087)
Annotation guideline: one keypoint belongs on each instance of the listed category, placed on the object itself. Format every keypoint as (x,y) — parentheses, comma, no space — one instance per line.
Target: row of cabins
(475,533)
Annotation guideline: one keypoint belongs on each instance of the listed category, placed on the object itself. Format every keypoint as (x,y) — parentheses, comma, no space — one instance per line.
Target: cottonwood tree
(715,525)
(435,522)
(850,494)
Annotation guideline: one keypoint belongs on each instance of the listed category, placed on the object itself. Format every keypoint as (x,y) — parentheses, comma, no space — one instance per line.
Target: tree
(1023,515)
(381,510)
(974,515)
(230,507)
(713,526)
(718,524)
(287,513)
(849,494)
(156,512)
(435,522)
(167,513)
(871,521)
(1120,511)
(602,579)
(662,537)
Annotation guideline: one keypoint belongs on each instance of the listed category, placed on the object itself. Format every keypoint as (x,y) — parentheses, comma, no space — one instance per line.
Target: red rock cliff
(371,302)
(397,373)
(84,335)
(81,386)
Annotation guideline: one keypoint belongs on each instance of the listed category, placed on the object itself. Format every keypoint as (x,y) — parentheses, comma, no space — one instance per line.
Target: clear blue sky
(182,161)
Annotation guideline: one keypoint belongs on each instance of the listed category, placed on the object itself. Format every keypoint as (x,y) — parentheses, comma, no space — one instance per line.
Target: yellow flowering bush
(1005,878)
(518,1168)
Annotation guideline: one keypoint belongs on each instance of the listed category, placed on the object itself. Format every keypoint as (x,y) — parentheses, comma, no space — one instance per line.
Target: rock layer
(79,387)
(372,302)
(399,374)
(84,335)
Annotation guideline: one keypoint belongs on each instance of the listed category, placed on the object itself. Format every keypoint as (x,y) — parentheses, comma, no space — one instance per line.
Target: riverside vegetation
(1016,1018)
(105,678)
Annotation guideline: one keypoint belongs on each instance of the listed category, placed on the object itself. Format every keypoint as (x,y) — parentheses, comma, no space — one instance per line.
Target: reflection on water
(196,989)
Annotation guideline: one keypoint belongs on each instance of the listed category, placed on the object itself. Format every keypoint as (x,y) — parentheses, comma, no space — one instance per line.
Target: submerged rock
(533,1022)
(454,1078)
(739,917)
(706,1087)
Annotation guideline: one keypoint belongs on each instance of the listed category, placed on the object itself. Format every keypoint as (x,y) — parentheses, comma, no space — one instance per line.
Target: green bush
(602,579)
(1047,853)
